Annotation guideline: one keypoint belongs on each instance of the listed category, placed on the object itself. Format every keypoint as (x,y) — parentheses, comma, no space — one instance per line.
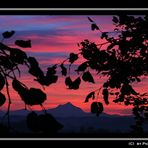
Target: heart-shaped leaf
(23,44)
(87,77)
(73,57)
(82,67)
(8,34)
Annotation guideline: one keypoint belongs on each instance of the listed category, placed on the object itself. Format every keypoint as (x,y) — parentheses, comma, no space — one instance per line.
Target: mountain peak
(68,104)
(67,109)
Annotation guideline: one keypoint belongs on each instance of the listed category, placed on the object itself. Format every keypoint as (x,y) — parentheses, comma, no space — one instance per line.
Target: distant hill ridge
(64,110)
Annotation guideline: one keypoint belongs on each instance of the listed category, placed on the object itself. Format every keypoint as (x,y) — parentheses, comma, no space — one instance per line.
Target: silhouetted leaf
(36,71)
(48,124)
(32,96)
(25,96)
(2,99)
(32,122)
(119,99)
(24,44)
(104,35)
(115,19)
(90,95)
(51,79)
(17,86)
(82,67)
(2,81)
(17,55)
(64,70)
(8,34)
(105,95)
(97,108)
(75,83)
(37,97)
(22,91)
(73,57)
(51,70)
(72,84)
(126,102)
(33,62)
(87,77)
(94,27)
(42,80)
(93,24)
(50,75)
(7,63)
(68,81)
(127,90)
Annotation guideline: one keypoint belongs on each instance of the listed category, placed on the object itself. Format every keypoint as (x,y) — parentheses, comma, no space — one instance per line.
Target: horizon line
(114,114)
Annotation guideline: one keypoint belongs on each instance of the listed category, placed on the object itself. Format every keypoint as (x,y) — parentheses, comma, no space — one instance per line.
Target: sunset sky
(53,38)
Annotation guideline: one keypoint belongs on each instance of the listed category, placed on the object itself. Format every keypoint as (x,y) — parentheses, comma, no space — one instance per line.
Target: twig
(103,43)
(43,108)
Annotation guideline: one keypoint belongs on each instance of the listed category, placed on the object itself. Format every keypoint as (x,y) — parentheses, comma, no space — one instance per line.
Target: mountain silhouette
(75,120)
(68,110)
(62,110)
